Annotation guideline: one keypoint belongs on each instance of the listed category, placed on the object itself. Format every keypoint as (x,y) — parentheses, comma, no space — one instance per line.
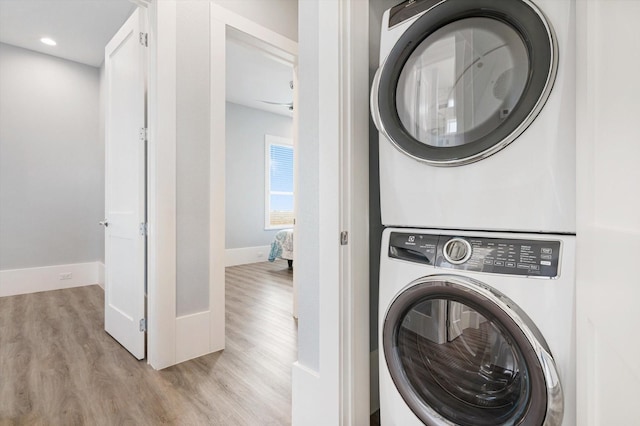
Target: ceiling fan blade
(288,104)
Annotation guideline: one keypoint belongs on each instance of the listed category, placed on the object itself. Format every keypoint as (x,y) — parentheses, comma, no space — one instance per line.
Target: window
(279,182)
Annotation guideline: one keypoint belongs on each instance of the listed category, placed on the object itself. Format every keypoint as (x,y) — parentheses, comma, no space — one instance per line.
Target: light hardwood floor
(59,367)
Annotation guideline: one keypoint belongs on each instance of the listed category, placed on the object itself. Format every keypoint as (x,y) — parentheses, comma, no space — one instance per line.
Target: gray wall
(308,178)
(280,16)
(245,173)
(192,157)
(51,161)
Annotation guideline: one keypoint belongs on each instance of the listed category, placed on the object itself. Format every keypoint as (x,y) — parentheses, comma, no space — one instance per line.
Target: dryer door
(489,365)
(465,79)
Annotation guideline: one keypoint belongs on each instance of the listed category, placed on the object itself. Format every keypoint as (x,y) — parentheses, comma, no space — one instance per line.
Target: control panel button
(499,263)
(457,251)
(510,264)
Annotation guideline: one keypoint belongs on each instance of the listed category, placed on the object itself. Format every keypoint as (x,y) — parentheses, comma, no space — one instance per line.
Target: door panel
(608,219)
(125,241)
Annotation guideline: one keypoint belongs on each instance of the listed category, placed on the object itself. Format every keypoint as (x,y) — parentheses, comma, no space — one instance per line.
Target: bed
(282,246)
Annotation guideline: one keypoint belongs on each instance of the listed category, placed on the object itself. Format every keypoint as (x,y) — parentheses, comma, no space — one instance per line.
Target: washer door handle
(375,108)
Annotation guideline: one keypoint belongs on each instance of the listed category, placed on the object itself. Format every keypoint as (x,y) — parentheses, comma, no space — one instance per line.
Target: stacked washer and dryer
(474,101)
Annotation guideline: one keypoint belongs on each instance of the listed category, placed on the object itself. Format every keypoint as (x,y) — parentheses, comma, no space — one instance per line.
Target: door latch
(344,238)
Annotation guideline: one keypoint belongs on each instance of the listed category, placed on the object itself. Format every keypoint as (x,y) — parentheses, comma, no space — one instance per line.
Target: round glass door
(462,82)
(465,80)
(457,354)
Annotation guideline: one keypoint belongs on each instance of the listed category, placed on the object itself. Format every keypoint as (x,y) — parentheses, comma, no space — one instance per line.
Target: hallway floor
(59,367)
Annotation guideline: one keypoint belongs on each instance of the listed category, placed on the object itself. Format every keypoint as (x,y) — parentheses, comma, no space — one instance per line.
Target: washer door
(459,352)
(465,80)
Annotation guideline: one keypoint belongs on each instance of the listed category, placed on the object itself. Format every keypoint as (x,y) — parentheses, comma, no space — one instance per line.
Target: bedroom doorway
(253,312)
(259,158)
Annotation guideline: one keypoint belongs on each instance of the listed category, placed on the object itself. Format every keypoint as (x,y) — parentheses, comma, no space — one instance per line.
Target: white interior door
(608,220)
(125,239)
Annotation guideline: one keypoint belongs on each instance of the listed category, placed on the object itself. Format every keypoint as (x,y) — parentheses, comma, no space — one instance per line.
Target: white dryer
(474,101)
(476,328)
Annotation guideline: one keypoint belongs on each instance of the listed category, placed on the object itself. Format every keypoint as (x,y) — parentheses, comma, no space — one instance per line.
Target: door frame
(222,21)
(161,183)
(334,388)
(338,387)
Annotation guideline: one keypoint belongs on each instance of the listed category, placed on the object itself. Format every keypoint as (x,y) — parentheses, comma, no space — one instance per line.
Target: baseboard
(307,398)
(46,278)
(192,336)
(101,274)
(374,382)
(242,256)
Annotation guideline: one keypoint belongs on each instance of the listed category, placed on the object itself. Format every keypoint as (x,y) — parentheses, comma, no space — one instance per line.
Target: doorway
(253,88)
(240,40)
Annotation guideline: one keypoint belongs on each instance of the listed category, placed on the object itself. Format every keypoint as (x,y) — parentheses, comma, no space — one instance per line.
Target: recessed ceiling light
(48,41)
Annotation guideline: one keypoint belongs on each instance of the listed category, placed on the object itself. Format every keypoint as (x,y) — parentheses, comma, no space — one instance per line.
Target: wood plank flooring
(59,367)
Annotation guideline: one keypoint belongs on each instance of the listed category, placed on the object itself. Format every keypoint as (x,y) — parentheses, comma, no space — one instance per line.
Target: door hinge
(143,229)
(344,238)
(144,39)
(143,325)
(143,134)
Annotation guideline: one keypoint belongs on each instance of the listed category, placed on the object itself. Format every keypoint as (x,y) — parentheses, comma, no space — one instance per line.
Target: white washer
(476,328)
(475,104)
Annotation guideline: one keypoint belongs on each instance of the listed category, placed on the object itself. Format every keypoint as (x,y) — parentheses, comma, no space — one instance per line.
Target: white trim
(161,186)
(246,255)
(224,22)
(238,23)
(217,184)
(141,3)
(47,278)
(101,274)
(296,174)
(306,392)
(353,63)
(189,332)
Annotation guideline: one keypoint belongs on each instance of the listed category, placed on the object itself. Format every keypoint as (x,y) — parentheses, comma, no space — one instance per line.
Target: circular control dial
(457,251)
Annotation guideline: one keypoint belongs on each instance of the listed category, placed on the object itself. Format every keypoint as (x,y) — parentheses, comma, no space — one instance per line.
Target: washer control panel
(521,257)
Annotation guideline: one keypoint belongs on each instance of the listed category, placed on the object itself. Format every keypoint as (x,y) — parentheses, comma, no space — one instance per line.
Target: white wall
(245,174)
(51,161)
(280,16)
(608,212)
